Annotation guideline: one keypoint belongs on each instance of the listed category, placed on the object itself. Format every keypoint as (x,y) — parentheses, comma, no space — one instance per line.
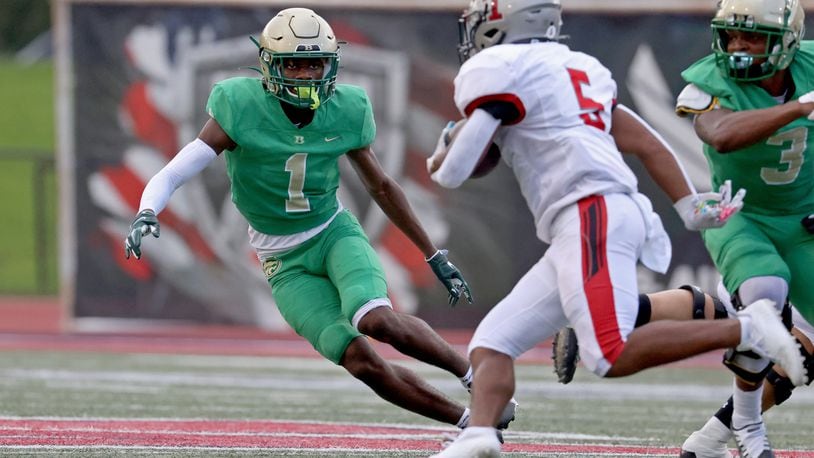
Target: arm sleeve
(466,149)
(192,158)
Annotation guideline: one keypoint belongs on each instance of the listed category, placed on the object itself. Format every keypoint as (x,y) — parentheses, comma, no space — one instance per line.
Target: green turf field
(26,153)
(655,409)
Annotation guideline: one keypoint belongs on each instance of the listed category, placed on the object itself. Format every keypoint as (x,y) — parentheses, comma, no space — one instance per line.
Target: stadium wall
(132,81)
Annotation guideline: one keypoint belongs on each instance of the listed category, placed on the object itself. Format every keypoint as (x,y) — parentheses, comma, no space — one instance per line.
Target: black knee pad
(808,364)
(645,310)
(782,386)
(720,309)
(785,315)
(698,301)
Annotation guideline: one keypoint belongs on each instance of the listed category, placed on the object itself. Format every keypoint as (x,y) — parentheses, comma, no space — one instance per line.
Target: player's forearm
(633,135)
(393,202)
(192,158)
(736,130)
(466,149)
(667,174)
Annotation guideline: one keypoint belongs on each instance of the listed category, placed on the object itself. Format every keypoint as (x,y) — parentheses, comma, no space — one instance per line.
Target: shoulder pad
(692,100)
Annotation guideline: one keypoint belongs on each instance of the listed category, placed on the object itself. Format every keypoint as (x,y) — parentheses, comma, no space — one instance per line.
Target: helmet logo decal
(313,47)
(496,14)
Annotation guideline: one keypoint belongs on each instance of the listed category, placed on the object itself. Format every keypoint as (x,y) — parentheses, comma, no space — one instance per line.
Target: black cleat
(565,354)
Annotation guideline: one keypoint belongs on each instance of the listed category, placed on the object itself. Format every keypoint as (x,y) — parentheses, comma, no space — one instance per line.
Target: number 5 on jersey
(593,117)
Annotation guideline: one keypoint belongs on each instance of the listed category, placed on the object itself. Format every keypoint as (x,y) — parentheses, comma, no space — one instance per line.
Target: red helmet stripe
(495,13)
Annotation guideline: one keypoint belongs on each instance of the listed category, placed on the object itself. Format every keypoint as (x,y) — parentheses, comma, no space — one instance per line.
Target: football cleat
(769,338)
(507,416)
(482,443)
(565,354)
(752,441)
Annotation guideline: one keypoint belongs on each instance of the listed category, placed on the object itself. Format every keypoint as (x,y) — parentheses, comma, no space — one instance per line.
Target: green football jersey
(778,172)
(284,178)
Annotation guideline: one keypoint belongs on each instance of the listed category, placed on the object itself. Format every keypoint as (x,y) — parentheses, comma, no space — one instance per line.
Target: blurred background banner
(132,83)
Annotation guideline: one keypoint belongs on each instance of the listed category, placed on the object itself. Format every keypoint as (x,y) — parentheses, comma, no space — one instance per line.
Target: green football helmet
(781,21)
(298,33)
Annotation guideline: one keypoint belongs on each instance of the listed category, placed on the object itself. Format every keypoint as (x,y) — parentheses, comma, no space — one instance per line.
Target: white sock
(746,407)
(714,429)
(478,431)
(464,421)
(466,380)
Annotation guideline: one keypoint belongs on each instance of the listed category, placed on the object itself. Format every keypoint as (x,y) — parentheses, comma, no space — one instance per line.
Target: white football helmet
(781,21)
(298,33)
(487,23)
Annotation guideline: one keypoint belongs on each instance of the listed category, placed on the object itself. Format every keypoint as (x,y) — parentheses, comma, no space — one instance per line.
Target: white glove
(710,209)
(808,97)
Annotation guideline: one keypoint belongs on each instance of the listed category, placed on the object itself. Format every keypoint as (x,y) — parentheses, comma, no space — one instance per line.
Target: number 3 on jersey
(593,117)
(296,202)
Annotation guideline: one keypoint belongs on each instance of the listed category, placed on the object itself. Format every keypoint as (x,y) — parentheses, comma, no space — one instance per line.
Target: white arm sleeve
(192,158)
(467,149)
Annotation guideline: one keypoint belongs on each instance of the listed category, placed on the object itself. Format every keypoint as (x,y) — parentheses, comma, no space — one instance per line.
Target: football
(487,162)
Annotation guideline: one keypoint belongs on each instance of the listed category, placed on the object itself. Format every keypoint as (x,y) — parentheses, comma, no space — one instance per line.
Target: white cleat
(700,445)
(482,443)
(769,338)
(507,416)
(752,441)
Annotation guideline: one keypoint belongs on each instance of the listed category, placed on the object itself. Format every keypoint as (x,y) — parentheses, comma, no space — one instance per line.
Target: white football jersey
(560,147)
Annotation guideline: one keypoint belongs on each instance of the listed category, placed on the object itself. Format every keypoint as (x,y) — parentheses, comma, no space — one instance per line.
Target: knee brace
(645,309)
(699,300)
(747,365)
(782,385)
(785,312)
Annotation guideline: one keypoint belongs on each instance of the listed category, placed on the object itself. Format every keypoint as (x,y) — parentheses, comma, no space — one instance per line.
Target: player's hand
(808,97)
(145,223)
(450,276)
(709,209)
(434,162)
(808,223)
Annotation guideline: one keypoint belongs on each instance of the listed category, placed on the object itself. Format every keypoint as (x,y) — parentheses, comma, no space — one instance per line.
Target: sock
(724,414)
(464,421)
(478,431)
(746,406)
(466,380)
(717,430)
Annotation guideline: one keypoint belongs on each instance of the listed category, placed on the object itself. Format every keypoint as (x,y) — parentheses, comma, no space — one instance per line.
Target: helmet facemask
(302,93)
(298,33)
(782,39)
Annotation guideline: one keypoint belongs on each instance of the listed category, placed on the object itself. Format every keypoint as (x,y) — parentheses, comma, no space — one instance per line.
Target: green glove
(450,276)
(145,223)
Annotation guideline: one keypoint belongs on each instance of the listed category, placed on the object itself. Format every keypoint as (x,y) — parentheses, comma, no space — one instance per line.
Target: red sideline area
(265,434)
(36,323)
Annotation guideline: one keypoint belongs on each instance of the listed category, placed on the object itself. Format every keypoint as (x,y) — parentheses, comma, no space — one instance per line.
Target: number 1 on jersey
(578,78)
(296,202)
